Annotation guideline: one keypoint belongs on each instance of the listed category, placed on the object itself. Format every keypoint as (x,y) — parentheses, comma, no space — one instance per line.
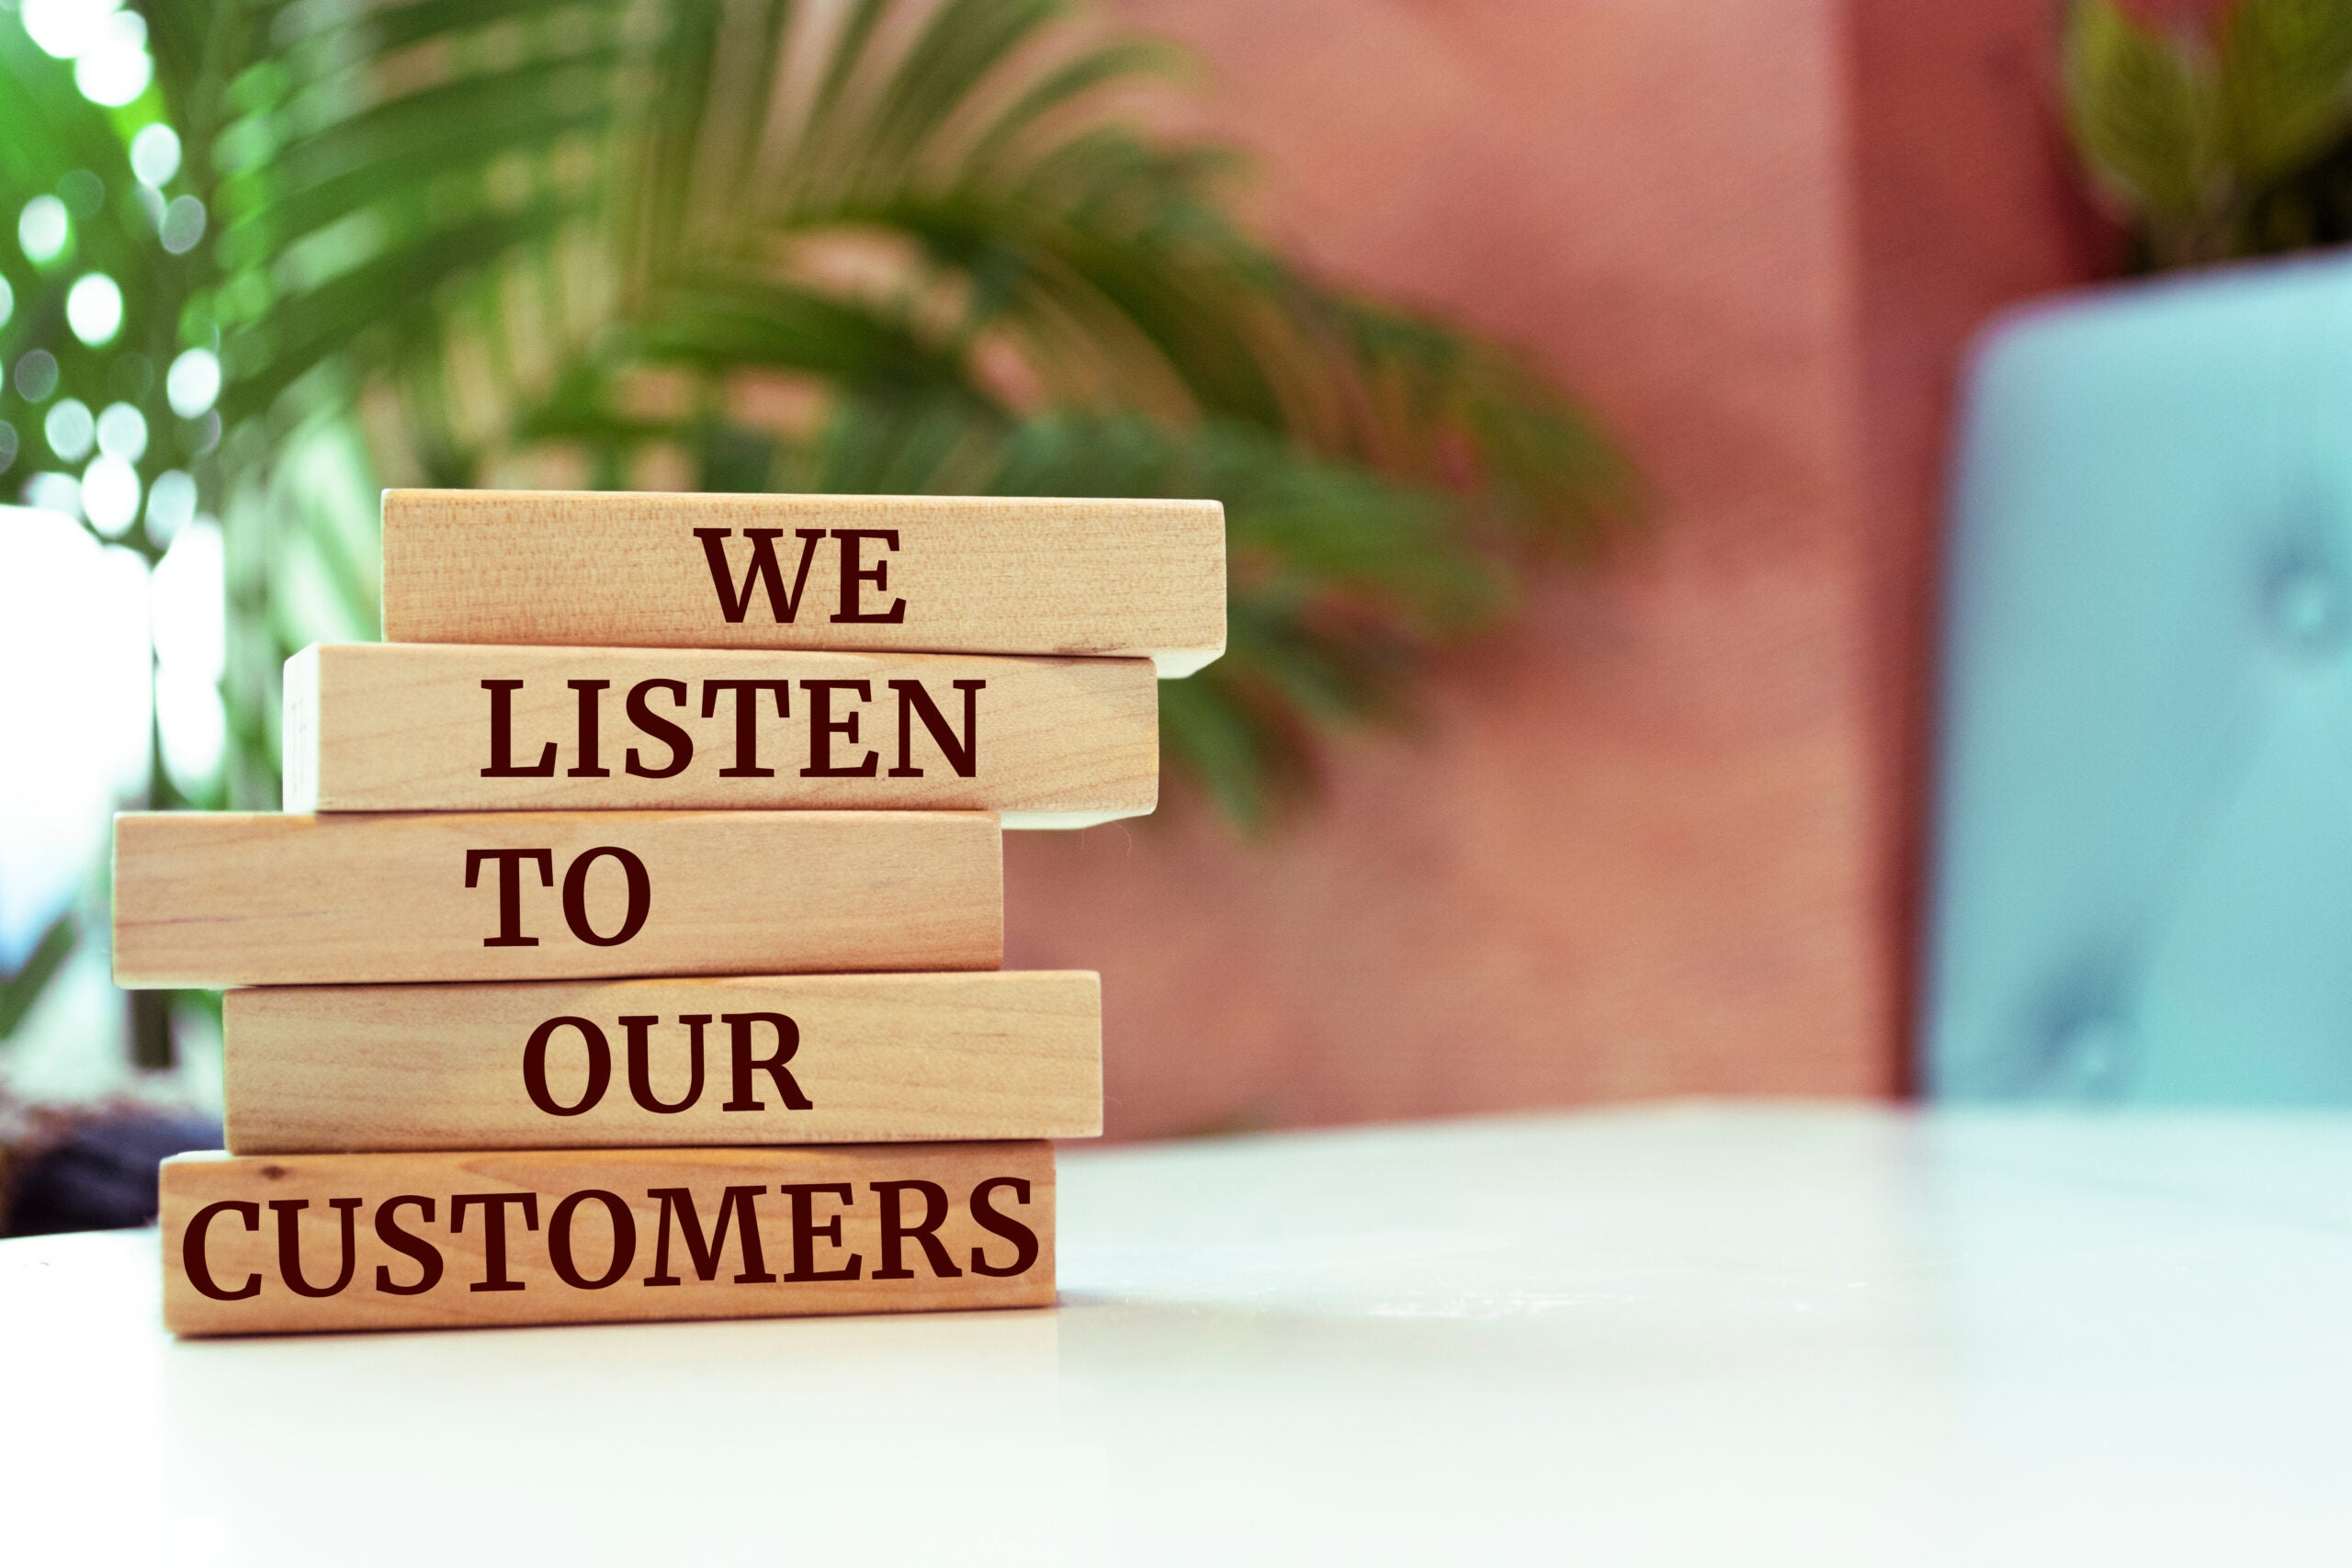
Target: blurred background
(1589,383)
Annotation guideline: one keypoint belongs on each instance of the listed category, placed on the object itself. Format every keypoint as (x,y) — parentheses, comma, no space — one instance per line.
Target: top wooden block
(955,574)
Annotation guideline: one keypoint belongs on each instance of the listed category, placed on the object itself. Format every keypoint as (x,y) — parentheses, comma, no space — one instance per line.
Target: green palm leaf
(2232,142)
(2145,112)
(880,246)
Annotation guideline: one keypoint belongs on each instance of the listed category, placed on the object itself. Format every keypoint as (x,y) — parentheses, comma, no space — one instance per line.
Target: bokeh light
(61,493)
(115,67)
(107,44)
(110,495)
(93,308)
(42,229)
(171,505)
(36,376)
(155,154)
(193,382)
(122,431)
(64,29)
(70,429)
(182,224)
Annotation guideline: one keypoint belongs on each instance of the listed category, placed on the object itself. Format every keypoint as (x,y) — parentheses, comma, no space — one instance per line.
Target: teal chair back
(2142,879)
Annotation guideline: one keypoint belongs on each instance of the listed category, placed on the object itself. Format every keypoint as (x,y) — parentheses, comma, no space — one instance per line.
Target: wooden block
(800,1059)
(415,726)
(294,1243)
(222,898)
(955,574)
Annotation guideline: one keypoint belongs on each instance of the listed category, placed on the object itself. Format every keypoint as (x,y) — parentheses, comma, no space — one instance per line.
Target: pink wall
(1652,842)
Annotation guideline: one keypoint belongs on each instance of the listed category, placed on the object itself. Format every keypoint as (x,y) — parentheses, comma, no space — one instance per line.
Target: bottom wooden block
(301,1243)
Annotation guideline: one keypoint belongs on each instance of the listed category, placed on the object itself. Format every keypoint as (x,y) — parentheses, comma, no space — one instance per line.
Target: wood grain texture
(415,726)
(975,574)
(308,1242)
(868,1058)
(224,898)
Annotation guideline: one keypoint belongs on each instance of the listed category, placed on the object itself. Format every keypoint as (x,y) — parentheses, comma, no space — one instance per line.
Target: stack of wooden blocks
(629,945)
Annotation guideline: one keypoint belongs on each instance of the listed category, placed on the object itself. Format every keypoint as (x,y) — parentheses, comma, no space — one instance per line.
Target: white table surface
(1703,1335)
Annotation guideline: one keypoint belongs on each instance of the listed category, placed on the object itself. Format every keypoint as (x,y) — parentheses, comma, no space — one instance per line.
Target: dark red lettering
(502,738)
(897,1232)
(747,721)
(640,1067)
(962,754)
(535,1066)
(788,1042)
(740,1205)
(197,1266)
(855,576)
(575,896)
(289,1244)
(823,726)
(592,702)
(990,1218)
(623,1228)
(493,1224)
(763,571)
(510,890)
(681,744)
(427,1255)
(806,1232)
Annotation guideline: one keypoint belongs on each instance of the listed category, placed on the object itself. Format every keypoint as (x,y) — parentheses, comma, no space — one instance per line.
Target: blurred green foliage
(865,245)
(2234,141)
